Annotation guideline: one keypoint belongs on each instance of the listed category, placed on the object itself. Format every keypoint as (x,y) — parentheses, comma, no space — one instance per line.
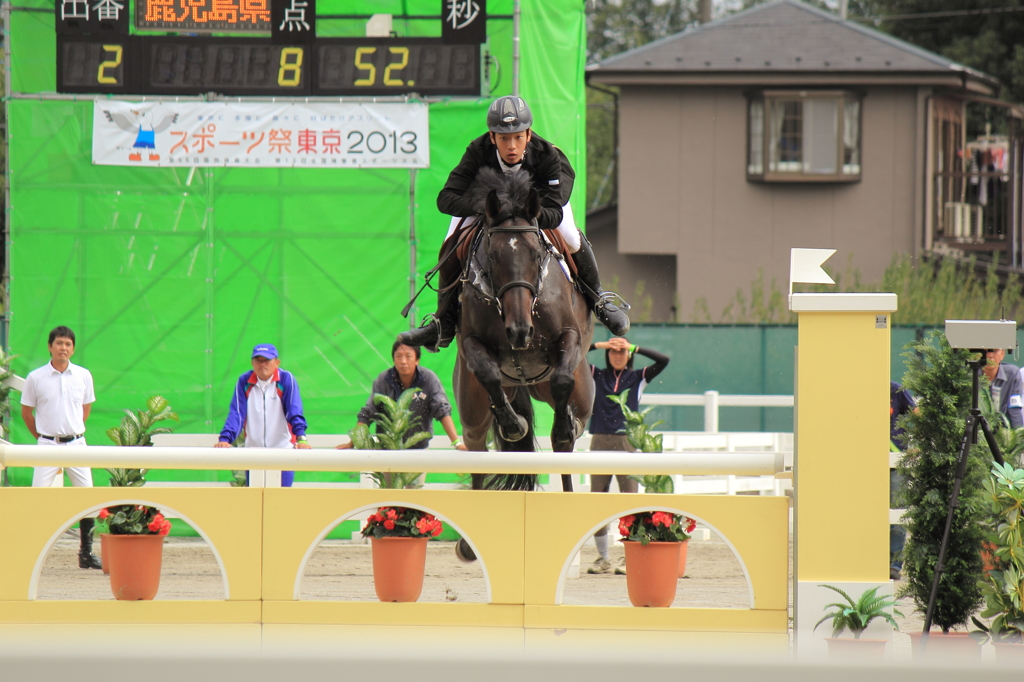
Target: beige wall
(683,190)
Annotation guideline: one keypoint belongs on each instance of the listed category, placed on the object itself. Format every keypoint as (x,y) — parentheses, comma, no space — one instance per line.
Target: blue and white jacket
(270,418)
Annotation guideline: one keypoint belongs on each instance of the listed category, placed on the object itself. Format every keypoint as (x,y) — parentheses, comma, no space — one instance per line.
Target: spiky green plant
(941,379)
(1003,587)
(137,429)
(394,422)
(855,616)
(638,433)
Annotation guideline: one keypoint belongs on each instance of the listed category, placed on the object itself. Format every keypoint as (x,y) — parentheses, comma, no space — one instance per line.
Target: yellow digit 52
(370,69)
(293,67)
(101,76)
(396,66)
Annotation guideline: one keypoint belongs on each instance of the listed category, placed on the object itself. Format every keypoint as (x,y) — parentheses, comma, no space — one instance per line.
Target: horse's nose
(519,334)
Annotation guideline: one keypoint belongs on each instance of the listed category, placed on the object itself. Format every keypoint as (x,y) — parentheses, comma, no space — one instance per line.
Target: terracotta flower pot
(955,647)
(103,553)
(398,567)
(682,557)
(1009,653)
(849,650)
(134,562)
(651,572)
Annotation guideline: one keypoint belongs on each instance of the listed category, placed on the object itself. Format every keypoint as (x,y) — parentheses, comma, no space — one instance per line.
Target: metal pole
(5,234)
(412,245)
(515,47)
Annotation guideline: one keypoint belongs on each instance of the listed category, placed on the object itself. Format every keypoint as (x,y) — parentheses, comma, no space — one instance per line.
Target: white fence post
(711,411)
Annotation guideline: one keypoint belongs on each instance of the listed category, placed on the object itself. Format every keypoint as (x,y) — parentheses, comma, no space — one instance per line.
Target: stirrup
(610,297)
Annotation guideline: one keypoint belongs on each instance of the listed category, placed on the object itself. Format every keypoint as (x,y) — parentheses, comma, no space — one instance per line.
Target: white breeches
(567,228)
(81,477)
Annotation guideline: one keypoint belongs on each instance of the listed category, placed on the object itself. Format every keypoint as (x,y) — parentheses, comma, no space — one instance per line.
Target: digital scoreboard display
(96,54)
(350,66)
(188,65)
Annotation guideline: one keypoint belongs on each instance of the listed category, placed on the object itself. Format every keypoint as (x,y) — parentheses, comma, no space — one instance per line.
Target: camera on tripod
(981,334)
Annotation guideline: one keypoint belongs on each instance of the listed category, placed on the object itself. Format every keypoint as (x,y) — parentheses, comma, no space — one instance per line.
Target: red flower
(691,525)
(437,529)
(662,519)
(104,513)
(389,524)
(392,514)
(165,528)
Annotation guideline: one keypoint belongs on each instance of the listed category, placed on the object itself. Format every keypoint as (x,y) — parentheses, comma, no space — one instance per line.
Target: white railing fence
(712,400)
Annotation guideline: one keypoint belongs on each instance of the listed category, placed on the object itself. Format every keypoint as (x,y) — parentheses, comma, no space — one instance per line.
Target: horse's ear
(533,204)
(492,205)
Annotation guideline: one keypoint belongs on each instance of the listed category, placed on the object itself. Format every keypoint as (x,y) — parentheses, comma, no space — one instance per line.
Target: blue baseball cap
(265,350)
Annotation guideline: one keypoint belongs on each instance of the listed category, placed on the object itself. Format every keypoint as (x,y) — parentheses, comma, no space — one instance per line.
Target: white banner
(260,134)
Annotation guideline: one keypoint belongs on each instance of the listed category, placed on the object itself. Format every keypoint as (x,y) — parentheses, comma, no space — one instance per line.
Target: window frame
(766,99)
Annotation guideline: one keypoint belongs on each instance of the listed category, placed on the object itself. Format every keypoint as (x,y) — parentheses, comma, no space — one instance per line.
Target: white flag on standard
(805,266)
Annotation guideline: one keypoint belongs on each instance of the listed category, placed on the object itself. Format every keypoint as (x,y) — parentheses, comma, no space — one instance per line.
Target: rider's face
(511,146)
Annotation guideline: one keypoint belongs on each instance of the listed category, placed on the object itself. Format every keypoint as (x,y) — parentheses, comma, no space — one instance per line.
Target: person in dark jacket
(608,424)
(511,146)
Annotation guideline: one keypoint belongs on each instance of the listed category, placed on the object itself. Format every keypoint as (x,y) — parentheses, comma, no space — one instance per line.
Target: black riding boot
(609,314)
(438,329)
(86,559)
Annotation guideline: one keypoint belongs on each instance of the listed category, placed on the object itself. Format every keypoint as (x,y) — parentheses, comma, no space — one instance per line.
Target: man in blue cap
(267,407)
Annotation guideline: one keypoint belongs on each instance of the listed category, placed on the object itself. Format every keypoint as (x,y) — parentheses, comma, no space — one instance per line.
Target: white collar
(507,168)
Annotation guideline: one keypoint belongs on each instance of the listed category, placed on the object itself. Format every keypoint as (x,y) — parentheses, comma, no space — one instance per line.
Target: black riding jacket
(552,174)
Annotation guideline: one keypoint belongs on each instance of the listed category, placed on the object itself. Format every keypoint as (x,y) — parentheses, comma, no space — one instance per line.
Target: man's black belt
(61,439)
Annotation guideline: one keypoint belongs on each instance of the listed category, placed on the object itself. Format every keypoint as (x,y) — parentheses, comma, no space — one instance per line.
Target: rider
(511,146)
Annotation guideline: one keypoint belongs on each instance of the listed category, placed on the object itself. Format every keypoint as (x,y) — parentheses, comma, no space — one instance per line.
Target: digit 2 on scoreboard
(93,65)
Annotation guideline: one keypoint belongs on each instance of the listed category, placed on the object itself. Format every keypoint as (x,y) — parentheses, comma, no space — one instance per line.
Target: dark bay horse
(524,330)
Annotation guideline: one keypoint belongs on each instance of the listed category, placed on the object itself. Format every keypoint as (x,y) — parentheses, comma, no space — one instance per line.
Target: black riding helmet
(509,114)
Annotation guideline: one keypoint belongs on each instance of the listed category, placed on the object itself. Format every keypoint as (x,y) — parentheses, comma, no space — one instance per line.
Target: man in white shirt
(61,395)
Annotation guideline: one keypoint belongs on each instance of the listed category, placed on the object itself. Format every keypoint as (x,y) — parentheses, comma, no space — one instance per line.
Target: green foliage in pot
(638,433)
(1009,439)
(137,429)
(1003,587)
(941,380)
(855,616)
(394,422)
(5,404)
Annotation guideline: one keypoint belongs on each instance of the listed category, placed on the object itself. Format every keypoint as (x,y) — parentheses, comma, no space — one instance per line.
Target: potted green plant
(651,541)
(137,428)
(638,433)
(398,535)
(399,538)
(941,379)
(1003,585)
(856,616)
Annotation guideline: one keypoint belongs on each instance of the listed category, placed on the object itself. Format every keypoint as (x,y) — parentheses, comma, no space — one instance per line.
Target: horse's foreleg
(567,428)
(483,363)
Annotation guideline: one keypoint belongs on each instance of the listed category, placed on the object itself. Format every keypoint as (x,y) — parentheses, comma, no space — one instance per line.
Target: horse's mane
(513,190)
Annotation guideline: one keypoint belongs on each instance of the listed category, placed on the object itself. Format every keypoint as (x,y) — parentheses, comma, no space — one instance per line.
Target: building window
(805,136)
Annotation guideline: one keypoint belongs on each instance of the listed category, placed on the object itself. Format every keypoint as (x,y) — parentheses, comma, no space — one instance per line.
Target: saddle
(467,242)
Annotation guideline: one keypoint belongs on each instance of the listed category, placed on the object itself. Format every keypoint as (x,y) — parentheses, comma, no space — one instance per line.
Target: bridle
(534,289)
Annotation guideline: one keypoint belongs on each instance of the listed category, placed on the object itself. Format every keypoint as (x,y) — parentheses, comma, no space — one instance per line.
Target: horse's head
(515,254)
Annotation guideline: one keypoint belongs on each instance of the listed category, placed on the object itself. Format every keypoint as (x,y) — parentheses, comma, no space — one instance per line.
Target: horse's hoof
(464,552)
(580,427)
(515,436)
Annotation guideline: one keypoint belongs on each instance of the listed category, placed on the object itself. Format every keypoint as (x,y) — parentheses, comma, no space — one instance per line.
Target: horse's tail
(523,406)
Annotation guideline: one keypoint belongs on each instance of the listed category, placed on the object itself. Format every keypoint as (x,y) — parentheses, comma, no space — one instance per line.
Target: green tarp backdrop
(169,276)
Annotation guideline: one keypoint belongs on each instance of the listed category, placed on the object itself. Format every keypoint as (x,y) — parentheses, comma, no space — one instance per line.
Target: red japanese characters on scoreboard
(204,15)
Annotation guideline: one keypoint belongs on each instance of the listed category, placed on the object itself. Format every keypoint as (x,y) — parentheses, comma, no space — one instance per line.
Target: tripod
(974,420)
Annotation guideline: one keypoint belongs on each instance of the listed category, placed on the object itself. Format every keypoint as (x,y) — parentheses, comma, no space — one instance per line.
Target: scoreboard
(99,59)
